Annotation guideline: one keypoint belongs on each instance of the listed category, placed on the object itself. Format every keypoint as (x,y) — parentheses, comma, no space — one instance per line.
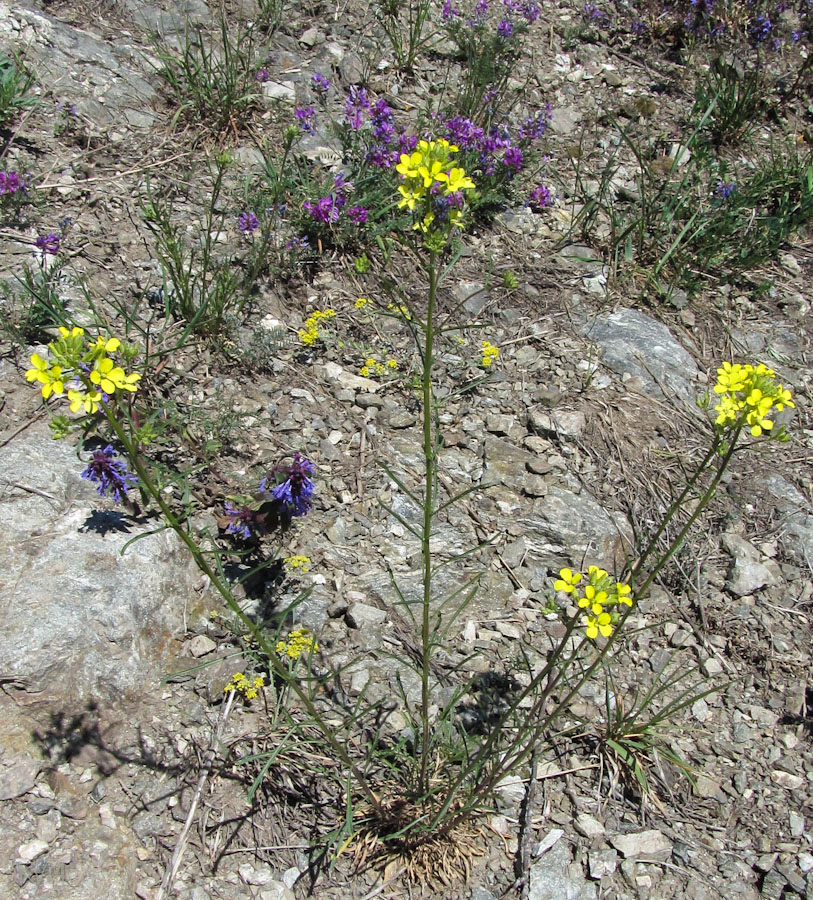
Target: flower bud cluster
(598,595)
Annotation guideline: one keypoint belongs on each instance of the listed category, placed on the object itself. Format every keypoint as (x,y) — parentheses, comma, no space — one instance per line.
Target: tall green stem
(224,591)
(430,466)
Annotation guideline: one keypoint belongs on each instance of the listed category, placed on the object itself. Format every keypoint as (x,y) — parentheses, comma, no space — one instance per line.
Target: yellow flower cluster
(311,333)
(749,395)
(600,594)
(299,641)
(490,353)
(297,562)
(361,303)
(372,368)
(83,367)
(241,684)
(401,310)
(433,186)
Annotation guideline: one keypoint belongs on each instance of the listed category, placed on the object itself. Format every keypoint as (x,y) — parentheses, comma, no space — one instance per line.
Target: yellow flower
(361,302)
(408,166)
(299,641)
(365,371)
(623,594)
(456,180)
(567,581)
(369,362)
(490,353)
(110,377)
(392,364)
(50,377)
(298,562)
(74,332)
(593,599)
(598,625)
(87,401)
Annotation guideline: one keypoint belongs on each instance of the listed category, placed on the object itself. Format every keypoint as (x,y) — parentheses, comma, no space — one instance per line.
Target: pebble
(18,778)
(602,863)
(31,850)
(648,844)
(201,645)
(588,826)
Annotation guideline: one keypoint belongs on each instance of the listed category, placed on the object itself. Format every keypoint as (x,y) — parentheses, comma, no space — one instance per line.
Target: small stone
(258,875)
(700,710)
(369,401)
(552,837)
(497,423)
(588,826)
(290,877)
(602,863)
(106,816)
(362,615)
(276,890)
(201,645)
(402,419)
(711,666)
(787,780)
(707,788)
(741,733)
(535,486)
(311,37)
(648,844)
(31,850)
(19,778)
(806,862)
(773,885)
(284,91)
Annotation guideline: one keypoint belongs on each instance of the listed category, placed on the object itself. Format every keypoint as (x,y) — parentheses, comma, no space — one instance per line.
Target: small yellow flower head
(299,641)
(300,563)
(392,364)
(598,625)
(748,396)
(567,581)
(241,685)
(365,371)
(361,303)
(490,353)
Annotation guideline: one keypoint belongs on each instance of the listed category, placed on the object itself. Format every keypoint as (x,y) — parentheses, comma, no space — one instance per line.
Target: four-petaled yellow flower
(599,625)
(50,377)
(567,581)
(747,397)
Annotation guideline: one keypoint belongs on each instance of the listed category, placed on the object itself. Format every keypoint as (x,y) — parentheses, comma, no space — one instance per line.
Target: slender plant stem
(430,463)
(224,591)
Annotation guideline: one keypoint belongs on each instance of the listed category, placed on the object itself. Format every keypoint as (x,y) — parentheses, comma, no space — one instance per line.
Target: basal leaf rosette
(598,596)
(82,370)
(748,397)
(434,190)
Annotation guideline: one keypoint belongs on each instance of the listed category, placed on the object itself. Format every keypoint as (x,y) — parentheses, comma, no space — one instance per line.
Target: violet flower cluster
(247,222)
(110,474)
(295,492)
(48,244)
(11,183)
(244,522)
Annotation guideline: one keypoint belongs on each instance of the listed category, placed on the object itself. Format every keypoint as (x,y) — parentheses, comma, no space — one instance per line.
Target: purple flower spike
(320,83)
(513,159)
(110,474)
(541,197)
(243,522)
(296,491)
(304,117)
(358,214)
(505,29)
(48,244)
(355,106)
(247,222)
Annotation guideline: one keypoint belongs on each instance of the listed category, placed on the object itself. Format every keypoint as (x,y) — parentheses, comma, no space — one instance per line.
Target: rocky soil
(113,659)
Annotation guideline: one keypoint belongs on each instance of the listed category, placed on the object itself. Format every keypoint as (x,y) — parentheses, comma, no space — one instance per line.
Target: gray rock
(362,615)
(80,619)
(633,343)
(472,295)
(565,119)
(747,573)
(556,877)
(351,68)
(201,645)
(588,826)
(583,258)
(284,91)
(795,522)
(18,778)
(565,526)
(643,844)
(602,863)
(564,423)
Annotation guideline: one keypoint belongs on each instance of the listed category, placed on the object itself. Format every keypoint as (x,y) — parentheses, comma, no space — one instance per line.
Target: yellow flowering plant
(81,369)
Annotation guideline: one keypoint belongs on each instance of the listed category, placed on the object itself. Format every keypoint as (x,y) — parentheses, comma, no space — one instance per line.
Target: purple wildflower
(530,12)
(355,106)
(513,159)
(381,120)
(262,75)
(48,244)
(326,209)
(10,183)
(296,491)
(480,11)
(533,127)
(244,521)
(110,474)
(760,28)
(449,11)
(320,83)
(505,29)
(247,222)
(304,116)
(724,191)
(540,197)
(358,214)
(407,143)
